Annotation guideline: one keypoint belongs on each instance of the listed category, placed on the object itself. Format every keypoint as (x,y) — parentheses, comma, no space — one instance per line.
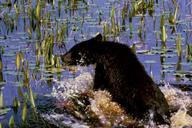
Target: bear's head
(83,53)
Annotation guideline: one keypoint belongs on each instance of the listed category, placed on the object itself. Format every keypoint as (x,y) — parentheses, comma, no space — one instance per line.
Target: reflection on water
(110,113)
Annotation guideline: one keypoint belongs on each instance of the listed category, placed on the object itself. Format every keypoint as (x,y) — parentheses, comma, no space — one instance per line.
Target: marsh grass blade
(178,45)
(20,93)
(11,122)
(1,98)
(163,35)
(16,104)
(32,98)
(38,10)
(24,112)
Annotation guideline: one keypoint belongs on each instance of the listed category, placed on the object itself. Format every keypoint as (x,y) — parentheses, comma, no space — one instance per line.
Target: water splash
(73,87)
(181,118)
(110,113)
(180,103)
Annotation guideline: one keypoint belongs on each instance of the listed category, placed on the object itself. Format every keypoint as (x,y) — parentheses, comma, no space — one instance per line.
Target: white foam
(178,100)
(175,97)
(72,87)
(181,102)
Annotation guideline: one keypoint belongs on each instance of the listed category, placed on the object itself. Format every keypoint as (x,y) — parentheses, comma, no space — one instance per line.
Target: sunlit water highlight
(110,113)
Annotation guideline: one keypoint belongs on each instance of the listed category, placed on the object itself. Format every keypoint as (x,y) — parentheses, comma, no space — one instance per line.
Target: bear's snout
(66,58)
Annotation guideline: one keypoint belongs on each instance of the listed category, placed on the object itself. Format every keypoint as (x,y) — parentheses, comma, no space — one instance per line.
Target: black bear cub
(119,72)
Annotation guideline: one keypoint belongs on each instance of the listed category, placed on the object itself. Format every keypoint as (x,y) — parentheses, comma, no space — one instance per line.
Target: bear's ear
(98,37)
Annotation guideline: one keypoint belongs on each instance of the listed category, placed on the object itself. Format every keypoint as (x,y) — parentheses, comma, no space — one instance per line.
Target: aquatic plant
(173,17)
(188,53)
(38,10)
(124,14)
(11,122)
(34,33)
(47,49)
(24,112)
(114,23)
(16,105)
(178,45)
(1,100)
(163,35)
(105,30)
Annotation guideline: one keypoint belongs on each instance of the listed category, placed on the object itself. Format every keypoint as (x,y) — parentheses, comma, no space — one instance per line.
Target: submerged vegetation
(34,33)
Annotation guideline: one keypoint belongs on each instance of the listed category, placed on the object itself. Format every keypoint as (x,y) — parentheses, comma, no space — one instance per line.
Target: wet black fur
(119,71)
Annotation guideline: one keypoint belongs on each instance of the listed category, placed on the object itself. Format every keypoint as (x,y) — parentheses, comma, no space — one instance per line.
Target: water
(64,23)
(109,113)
